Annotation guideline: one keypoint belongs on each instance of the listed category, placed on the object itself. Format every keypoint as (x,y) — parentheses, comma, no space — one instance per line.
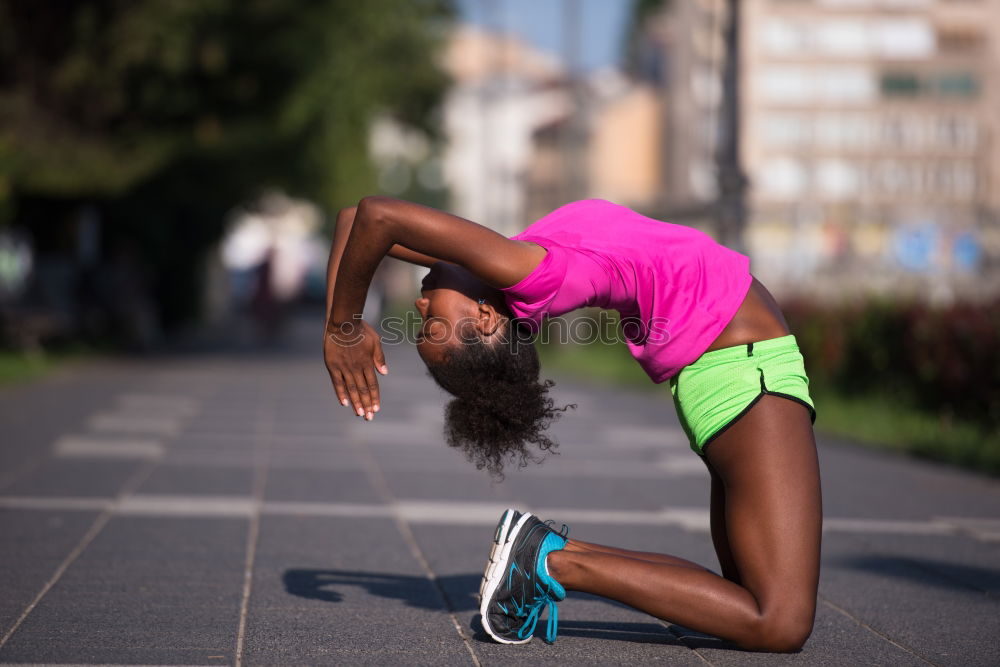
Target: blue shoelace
(532,611)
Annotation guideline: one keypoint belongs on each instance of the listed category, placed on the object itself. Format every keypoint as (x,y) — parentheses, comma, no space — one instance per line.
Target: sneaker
(518,587)
(507,520)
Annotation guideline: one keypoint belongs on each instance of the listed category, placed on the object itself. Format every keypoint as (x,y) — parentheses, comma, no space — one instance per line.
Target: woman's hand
(352,350)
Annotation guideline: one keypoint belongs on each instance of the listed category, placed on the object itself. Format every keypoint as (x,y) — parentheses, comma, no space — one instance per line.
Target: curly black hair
(500,405)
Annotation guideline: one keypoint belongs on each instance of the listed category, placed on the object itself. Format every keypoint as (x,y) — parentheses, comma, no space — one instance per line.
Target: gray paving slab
(604,493)
(913,599)
(148,590)
(73,477)
(330,591)
(870,483)
(33,546)
(837,640)
(35,413)
(906,578)
(320,486)
(198,480)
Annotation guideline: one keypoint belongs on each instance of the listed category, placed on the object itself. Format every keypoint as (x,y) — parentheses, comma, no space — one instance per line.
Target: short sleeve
(530,298)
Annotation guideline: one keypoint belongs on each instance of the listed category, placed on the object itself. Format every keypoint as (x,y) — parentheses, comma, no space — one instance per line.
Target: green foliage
(944,360)
(887,422)
(96,95)
(164,114)
(919,378)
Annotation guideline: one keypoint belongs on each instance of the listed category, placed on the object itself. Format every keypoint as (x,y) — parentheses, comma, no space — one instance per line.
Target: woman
(692,314)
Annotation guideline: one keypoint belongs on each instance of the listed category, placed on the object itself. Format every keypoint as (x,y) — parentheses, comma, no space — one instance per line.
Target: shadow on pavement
(461,593)
(926,571)
(416,591)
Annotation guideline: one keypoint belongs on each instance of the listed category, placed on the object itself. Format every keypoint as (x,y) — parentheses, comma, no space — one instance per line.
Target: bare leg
(720,533)
(771,525)
(577,545)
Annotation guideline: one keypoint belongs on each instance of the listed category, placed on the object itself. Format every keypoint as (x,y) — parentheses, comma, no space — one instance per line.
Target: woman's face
(449,307)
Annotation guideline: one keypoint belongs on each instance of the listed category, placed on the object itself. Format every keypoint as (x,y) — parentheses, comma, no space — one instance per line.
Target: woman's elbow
(374,208)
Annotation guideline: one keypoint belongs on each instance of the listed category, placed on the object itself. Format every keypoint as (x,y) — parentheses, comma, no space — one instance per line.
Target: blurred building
(503,92)
(525,137)
(870,133)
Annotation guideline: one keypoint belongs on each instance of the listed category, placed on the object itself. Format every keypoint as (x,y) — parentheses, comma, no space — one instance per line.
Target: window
(841,85)
(957,84)
(838,131)
(843,38)
(905,39)
(956,133)
(960,39)
(791,84)
(781,37)
(900,84)
(784,130)
(783,178)
(837,179)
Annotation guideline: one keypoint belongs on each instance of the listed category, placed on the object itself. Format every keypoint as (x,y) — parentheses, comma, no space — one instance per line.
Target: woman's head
(475,351)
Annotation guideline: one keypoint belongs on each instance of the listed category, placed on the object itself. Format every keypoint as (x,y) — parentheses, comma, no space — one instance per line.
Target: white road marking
(126,423)
(353,510)
(987,530)
(103,448)
(886,527)
(215,506)
(56,503)
(178,406)
(694,519)
(683,464)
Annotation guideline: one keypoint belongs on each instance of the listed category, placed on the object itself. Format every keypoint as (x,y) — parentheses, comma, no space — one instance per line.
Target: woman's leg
(720,532)
(577,545)
(768,469)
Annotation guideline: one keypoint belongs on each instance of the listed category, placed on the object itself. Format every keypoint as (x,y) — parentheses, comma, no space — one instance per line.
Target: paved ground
(219,508)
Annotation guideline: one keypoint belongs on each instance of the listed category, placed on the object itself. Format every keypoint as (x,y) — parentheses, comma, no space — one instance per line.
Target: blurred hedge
(942,360)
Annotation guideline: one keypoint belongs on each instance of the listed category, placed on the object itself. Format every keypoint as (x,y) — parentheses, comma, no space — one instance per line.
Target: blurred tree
(165,113)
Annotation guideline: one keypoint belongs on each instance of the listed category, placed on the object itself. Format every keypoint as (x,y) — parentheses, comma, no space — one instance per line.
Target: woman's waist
(758,318)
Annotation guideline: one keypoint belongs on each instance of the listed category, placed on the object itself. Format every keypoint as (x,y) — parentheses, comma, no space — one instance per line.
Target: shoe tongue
(552,542)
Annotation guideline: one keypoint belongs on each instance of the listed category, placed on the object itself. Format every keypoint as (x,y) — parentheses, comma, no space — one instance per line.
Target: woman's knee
(782,632)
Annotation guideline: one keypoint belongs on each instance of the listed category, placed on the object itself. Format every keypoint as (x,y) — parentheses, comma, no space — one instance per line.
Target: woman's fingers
(339,387)
(352,392)
(352,369)
(373,392)
(364,394)
(379,358)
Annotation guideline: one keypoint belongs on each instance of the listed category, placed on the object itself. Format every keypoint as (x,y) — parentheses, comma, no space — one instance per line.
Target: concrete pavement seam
(680,639)
(264,431)
(875,632)
(382,488)
(130,485)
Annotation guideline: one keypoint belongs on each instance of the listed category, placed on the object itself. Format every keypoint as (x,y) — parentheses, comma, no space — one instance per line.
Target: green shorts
(722,386)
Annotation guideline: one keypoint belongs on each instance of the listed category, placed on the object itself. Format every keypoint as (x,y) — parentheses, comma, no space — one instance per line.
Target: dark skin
(766,510)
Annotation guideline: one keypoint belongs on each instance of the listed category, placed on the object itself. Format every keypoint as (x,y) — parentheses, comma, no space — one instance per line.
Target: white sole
(499,538)
(494,575)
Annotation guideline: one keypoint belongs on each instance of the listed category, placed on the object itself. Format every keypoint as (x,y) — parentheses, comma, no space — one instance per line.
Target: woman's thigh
(768,466)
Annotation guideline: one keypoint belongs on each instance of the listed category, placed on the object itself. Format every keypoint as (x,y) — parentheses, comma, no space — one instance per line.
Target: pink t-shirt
(675,288)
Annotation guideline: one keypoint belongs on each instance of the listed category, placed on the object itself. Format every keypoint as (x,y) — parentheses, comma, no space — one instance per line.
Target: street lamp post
(731,181)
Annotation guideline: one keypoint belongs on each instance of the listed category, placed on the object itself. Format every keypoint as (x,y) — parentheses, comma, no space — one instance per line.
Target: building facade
(870,134)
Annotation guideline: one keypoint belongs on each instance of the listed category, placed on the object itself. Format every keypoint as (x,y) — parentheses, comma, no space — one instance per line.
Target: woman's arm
(342,231)
(382,224)
(377,227)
